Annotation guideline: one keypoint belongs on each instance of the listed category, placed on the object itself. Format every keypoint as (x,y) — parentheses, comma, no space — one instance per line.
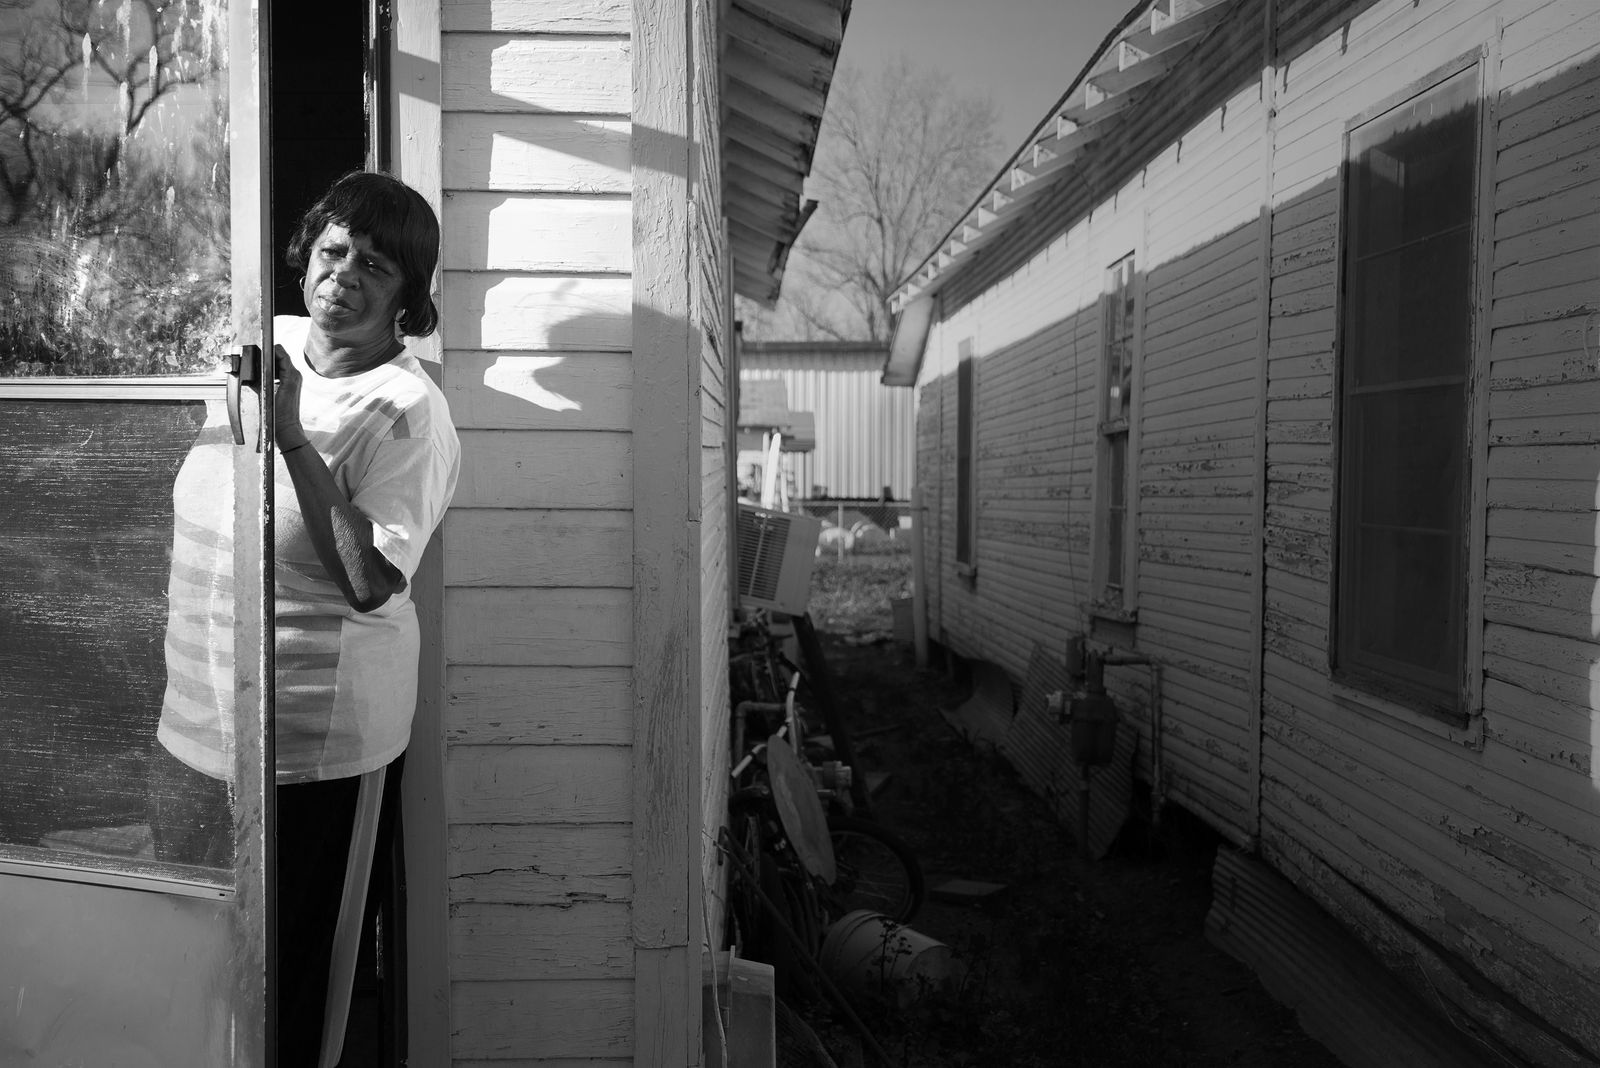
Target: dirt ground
(1074,963)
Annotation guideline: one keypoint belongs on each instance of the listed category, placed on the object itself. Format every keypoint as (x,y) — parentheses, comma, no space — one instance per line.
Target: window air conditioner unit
(776,553)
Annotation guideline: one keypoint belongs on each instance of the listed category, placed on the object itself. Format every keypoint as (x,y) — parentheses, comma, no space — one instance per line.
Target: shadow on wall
(1510,820)
(1542,674)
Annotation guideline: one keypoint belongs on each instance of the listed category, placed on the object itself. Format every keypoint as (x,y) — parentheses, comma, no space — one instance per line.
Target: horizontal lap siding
(1036,437)
(1035,396)
(930,484)
(1036,333)
(538,605)
(1489,851)
(1198,515)
(1476,845)
(710,300)
(1540,558)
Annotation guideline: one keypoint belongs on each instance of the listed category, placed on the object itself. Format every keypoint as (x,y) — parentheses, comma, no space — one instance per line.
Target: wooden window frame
(1395,684)
(1113,595)
(966,461)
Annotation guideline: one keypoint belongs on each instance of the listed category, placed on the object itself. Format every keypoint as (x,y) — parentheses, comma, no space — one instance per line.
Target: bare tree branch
(899,156)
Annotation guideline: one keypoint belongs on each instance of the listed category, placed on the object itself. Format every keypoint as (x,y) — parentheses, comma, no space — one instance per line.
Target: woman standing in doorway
(367,463)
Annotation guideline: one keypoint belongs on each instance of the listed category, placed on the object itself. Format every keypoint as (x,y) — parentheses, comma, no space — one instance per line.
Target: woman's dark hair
(400,224)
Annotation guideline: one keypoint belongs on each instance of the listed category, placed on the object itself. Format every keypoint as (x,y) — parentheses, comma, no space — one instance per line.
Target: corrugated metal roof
(778,59)
(864,431)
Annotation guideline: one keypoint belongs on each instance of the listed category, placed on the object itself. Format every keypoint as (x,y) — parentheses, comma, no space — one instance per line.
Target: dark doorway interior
(319,116)
(327,84)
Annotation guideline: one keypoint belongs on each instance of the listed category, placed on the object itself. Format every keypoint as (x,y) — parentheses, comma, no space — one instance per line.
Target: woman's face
(352,291)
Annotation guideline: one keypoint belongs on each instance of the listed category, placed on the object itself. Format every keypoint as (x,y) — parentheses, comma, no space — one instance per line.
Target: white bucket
(870,955)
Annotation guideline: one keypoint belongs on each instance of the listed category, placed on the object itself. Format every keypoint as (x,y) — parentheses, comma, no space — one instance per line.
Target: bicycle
(871,867)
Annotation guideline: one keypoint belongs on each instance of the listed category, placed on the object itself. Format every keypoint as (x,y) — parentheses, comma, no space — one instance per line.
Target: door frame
(246,907)
(413,102)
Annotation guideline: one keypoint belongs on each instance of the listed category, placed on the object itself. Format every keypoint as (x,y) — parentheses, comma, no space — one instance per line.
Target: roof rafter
(820,22)
(755,218)
(740,66)
(786,53)
(757,195)
(775,65)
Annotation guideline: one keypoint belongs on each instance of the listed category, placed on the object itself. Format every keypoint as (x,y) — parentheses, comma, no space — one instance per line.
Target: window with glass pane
(114,262)
(1117,334)
(966,512)
(113,187)
(1405,355)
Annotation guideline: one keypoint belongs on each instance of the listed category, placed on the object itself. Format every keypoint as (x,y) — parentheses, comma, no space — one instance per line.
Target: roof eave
(908,343)
(777,65)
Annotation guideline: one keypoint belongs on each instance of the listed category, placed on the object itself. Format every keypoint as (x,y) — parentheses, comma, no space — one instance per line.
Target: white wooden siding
(930,483)
(1480,840)
(537,154)
(539,640)
(547,16)
(1035,345)
(711,302)
(500,232)
(537,71)
(529,313)
(667,907)
(1197,523)
(1194,467)
(590,391)
(573,1021)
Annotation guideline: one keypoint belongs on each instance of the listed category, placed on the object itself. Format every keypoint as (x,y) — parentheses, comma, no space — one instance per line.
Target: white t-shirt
(345,681)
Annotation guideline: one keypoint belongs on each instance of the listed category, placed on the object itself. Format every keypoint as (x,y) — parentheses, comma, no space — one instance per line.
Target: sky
(1021,54)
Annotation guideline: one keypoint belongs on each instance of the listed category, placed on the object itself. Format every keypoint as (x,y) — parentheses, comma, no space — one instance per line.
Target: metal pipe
(740,711)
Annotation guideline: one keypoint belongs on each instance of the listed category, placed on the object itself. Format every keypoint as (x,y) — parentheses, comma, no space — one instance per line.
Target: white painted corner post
(666,549)
(415,100)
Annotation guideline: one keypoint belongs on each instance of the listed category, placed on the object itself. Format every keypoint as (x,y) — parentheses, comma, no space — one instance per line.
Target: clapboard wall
(712,306)
(1192,220)
(538,547)
(1481,840)
(1197,524)
(1465,857)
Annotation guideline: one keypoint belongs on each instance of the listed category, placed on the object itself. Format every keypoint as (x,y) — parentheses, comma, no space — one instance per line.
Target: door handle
(244,370)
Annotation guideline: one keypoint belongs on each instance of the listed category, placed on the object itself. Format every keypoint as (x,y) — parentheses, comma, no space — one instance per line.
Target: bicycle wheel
(877,871)
(744,902)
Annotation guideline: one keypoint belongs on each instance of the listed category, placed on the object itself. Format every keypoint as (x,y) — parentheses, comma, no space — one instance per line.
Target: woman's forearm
(340,534)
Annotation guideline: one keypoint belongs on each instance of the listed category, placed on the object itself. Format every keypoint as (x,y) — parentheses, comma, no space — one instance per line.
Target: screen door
(135,872)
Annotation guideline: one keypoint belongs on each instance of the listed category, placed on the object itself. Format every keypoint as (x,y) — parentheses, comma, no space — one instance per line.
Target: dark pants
(192,823)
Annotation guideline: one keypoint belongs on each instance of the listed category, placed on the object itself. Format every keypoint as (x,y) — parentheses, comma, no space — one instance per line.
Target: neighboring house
(598,148)
(608,174)
(863,431)
(1271,357)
